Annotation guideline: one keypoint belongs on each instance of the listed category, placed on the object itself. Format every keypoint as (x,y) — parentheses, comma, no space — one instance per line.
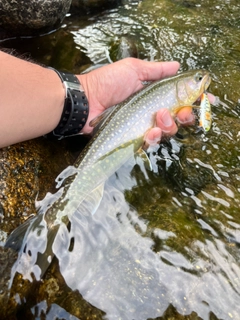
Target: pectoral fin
(177,109)
(91,201)
(99,120)
(145,159)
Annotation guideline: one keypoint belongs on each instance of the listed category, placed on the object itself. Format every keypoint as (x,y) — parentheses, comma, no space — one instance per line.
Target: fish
(119,136)
(205,118)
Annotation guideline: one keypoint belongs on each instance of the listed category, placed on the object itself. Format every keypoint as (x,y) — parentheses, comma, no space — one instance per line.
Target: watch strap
(75,110)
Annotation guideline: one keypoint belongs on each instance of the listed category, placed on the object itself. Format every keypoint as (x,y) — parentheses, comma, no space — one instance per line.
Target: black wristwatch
(76,108)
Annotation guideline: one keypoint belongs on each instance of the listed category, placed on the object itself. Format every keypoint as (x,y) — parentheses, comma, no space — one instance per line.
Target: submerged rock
(122,48)
(32,17)
(92,4)
(27,172)
(7,259)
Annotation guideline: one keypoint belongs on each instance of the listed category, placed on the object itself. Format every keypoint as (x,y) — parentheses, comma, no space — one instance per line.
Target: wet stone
(27,172)
(7,259)
(32,17)
(93,4)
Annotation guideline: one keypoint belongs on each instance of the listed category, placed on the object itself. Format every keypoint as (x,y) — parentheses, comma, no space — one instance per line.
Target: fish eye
(198,76)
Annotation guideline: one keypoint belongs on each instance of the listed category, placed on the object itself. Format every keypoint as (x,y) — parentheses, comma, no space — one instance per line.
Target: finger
(185,116)
(153,137)
(212,99)
(150,71)
(165,122)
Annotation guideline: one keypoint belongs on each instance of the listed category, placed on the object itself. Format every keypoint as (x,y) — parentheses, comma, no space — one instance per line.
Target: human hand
(112,84)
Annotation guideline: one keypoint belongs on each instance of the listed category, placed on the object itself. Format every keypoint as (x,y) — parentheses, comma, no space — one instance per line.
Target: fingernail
(153,142)
(166,119)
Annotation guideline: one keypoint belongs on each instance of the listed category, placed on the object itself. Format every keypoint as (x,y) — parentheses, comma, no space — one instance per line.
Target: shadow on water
(164,244)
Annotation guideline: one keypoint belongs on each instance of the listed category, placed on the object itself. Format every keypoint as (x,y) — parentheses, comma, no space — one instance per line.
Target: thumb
(150,71)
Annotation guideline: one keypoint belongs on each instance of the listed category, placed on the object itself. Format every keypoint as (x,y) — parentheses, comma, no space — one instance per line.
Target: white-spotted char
(120,136)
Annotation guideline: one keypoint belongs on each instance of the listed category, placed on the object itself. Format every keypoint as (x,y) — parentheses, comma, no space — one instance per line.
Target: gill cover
(189,89)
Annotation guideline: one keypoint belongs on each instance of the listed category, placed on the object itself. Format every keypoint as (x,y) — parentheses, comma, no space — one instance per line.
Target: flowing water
(164,244)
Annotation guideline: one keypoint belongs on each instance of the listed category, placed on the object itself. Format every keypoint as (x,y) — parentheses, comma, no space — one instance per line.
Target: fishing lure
(205,119)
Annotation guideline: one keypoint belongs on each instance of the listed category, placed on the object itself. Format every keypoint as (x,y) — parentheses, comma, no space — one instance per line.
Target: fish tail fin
(15,239)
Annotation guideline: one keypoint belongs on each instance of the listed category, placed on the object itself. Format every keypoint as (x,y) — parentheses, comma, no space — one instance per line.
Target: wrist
(90,89)
(83,80)
(75,110)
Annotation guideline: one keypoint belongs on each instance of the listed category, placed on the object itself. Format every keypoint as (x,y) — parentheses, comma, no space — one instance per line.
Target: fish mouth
(207,83)
(205,86)
(198,101)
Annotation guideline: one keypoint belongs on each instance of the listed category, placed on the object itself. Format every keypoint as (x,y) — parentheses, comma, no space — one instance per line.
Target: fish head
(191,85)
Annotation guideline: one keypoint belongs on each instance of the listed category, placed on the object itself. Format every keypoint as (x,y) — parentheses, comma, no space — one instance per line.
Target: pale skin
(32,97)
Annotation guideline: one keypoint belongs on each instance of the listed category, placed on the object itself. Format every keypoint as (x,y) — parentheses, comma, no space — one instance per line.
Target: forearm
(31,100)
